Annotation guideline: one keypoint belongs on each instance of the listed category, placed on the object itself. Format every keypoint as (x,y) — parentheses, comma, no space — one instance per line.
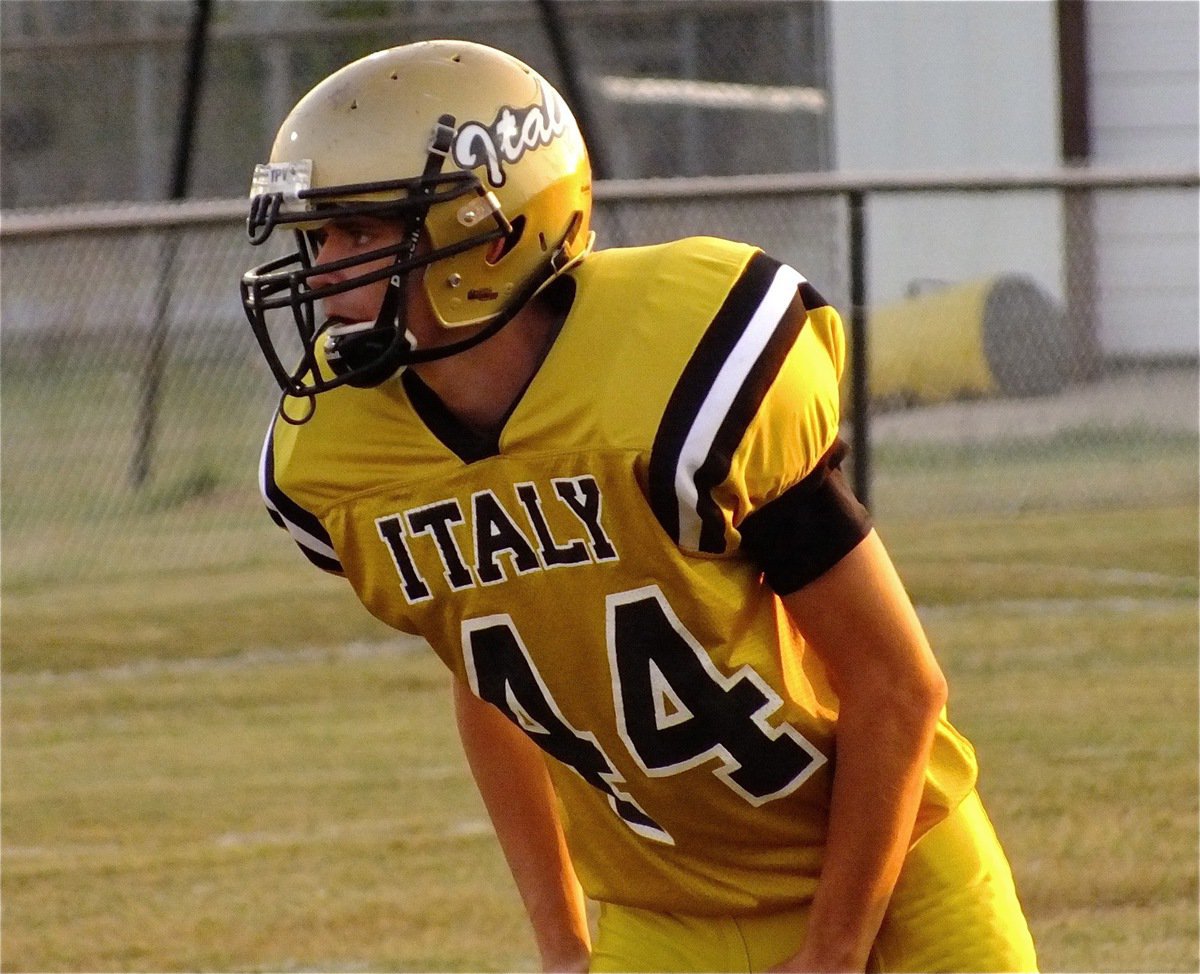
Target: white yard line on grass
(251,659)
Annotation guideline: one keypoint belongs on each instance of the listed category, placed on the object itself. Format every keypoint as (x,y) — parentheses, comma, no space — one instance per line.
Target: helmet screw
(454,280)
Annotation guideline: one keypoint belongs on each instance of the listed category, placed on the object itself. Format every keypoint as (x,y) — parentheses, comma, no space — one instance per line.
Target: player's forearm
(511,776)
(860,622)
(876,793)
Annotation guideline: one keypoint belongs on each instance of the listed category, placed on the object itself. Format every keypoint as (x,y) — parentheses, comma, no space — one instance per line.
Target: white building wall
(954,87)
(1144,68)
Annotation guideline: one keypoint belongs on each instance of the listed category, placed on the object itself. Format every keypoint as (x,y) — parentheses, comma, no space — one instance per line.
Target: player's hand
(830,958)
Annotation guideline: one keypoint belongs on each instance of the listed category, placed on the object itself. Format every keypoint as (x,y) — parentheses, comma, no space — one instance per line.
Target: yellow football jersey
(584,571)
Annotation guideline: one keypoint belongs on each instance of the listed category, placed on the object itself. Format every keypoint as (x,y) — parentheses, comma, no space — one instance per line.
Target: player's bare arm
(511,776)
(858,618)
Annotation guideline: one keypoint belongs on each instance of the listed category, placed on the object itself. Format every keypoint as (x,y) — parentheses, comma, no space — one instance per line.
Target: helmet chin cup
(365,352)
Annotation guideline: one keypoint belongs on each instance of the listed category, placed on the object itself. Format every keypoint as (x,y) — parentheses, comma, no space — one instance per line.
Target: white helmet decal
(514,132)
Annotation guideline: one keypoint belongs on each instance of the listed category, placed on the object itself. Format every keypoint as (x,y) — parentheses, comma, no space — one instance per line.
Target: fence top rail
(120,216)
(156,216)
(846,183)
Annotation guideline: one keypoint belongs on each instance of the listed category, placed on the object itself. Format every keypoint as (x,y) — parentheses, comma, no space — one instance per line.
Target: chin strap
(368,354)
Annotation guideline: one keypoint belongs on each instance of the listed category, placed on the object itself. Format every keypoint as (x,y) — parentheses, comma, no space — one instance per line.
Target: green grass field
(220,762)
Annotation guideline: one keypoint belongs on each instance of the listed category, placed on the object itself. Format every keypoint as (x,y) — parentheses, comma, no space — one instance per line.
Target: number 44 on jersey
(675,710)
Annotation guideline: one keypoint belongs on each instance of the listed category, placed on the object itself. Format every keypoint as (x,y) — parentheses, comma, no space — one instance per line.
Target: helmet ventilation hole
(510,241)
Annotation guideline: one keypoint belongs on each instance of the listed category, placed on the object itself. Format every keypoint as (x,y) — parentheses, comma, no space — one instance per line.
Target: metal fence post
(156,352)
(859,393)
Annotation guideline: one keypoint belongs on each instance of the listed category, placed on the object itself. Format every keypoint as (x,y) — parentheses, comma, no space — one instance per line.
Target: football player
(604,485)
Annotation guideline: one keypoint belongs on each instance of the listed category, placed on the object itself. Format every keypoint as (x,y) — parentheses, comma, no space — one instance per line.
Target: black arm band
(807,529)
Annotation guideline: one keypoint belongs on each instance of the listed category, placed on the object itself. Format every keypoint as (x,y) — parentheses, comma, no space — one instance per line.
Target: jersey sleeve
(304,526)
(750,432)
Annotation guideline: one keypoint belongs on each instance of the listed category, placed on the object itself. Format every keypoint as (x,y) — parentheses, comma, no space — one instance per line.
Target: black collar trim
(467,444)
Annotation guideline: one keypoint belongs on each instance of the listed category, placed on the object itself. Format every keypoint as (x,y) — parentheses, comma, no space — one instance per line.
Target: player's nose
(326,255)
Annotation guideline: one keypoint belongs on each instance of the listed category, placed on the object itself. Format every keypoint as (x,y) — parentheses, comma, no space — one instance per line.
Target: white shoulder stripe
(304,538)
(720,397)
(307,541)
(263,462)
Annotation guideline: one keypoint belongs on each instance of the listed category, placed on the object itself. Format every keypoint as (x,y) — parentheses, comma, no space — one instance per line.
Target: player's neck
(480,386)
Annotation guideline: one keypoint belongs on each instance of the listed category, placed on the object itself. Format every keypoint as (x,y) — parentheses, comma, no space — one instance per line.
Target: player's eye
(354,234)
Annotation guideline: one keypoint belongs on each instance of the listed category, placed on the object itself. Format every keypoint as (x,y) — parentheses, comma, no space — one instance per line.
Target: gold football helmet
(459,142)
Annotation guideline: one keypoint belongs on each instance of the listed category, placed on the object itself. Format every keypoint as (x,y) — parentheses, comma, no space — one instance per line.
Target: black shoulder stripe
(323,562)
(279,502)
(716,398)
(732,431)
(698,376)
(304,527)
(812,297)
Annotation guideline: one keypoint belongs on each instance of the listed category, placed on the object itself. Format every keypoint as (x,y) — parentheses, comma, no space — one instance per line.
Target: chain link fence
(93,91)
(135,401)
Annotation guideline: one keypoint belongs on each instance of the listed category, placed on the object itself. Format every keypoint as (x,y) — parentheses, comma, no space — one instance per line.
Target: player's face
(341,239)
